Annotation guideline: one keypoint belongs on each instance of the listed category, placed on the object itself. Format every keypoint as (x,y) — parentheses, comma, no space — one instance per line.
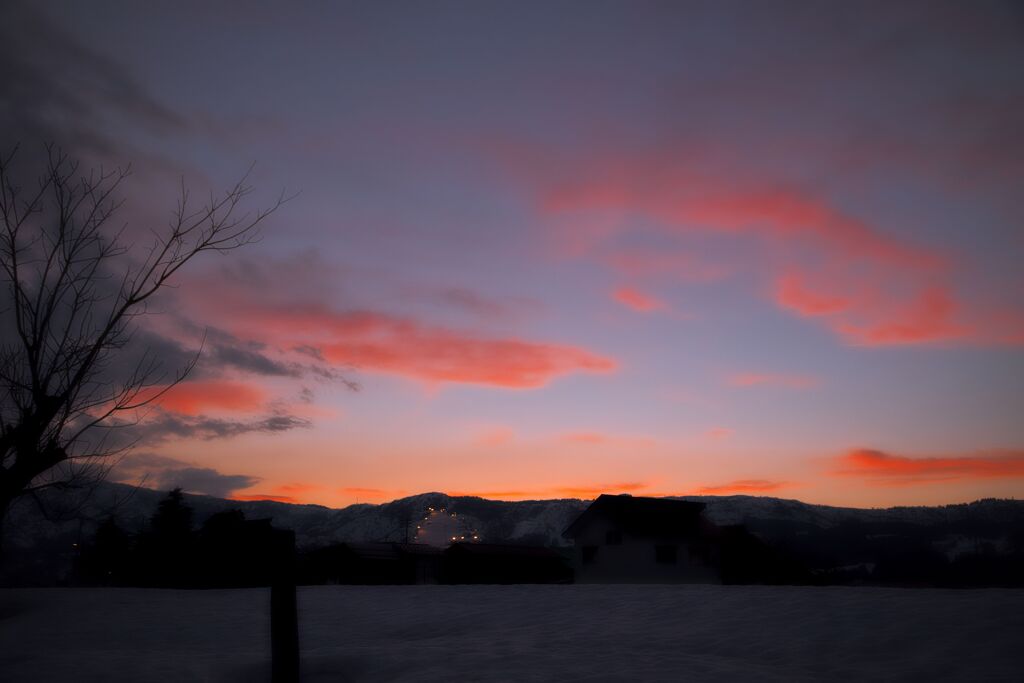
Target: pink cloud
(374,341)
(637,300)
(793,293)
(885,469)
(198,397)
(928,317)
(877,309)
(867,286)
(378,342)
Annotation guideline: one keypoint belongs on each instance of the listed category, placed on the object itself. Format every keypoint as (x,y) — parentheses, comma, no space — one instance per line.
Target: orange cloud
(631,297)
(883,468)
(772,379)
(194,398)
(494,495)
(744,486)
(264,496)
(296,488)
(719,433)
(595,491)
(582,492)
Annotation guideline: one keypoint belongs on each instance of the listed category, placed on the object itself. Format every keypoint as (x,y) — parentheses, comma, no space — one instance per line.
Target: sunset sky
(770,248)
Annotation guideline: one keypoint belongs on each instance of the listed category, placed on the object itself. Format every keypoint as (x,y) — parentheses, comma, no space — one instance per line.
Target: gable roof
(641,516)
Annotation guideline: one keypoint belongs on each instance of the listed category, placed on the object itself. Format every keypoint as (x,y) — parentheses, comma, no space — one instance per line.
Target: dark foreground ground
(519,633)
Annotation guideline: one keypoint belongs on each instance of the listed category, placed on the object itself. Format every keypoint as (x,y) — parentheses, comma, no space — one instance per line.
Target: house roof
(641,516)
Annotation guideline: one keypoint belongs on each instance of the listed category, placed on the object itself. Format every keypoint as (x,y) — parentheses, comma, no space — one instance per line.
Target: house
(631,539)
(494,563)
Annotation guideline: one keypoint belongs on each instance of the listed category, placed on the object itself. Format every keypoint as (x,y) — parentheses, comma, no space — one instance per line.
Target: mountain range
(41,541)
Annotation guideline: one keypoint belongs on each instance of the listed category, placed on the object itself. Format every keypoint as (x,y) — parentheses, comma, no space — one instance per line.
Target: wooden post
(284,621)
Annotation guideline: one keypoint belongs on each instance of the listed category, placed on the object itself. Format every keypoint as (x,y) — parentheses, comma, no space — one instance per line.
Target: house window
(589,554)
(613,537)
(665,554)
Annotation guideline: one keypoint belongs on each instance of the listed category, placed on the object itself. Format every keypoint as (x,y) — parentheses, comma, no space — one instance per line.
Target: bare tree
(72,291)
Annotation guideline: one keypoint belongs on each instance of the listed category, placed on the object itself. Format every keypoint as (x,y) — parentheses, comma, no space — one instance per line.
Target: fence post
(284,621)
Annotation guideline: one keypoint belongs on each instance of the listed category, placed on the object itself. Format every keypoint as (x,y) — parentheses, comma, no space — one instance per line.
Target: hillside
(849,543)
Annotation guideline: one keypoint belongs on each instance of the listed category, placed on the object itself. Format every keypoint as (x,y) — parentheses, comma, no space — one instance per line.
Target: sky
(542,250)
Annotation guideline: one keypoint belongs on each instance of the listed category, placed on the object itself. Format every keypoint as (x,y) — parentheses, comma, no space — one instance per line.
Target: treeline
(961,554)
(227,550)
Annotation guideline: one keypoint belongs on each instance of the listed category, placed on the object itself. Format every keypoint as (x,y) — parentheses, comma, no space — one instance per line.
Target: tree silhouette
(172,521)
(166,551)
(107,560)
(71,291)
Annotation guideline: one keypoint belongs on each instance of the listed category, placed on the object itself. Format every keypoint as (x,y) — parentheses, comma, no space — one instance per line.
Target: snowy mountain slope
(822,536)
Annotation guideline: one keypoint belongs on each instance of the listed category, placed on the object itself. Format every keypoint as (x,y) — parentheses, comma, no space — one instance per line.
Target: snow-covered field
(519,633)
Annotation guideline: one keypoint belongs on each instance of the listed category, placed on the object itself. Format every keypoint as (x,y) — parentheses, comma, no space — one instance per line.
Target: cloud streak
(886,469)
(581,492)
(164,426)
(743,486)
(205,396)
(380,342)
(639,301)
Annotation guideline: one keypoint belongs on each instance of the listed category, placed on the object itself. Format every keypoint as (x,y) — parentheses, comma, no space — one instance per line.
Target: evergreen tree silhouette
(107,560)
(167,550)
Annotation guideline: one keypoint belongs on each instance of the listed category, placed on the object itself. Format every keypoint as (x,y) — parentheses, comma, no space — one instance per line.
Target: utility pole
(284,617)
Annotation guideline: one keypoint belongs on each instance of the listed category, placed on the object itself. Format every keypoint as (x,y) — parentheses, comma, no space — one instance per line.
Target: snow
(440,528)
(530,633)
